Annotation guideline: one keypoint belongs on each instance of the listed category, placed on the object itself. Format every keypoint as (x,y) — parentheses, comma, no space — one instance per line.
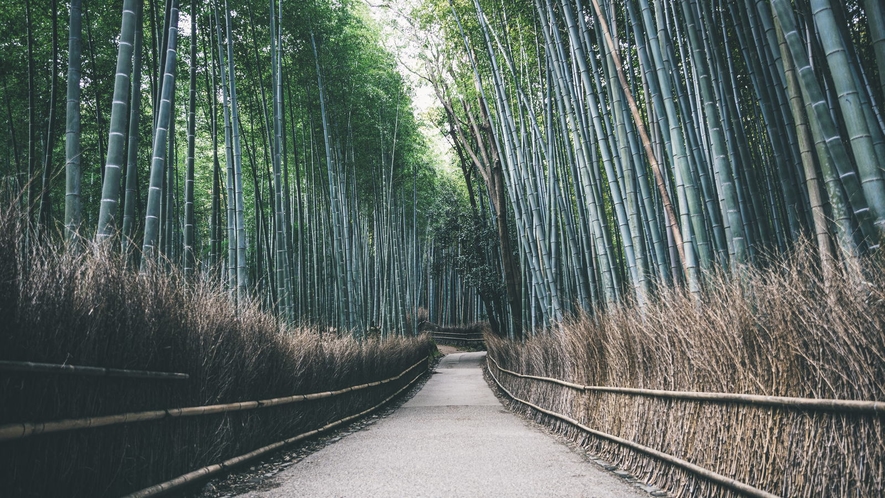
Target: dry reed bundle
(85,308)
(774,332)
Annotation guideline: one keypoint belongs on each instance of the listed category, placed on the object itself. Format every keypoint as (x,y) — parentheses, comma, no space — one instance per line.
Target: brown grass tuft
(85,308)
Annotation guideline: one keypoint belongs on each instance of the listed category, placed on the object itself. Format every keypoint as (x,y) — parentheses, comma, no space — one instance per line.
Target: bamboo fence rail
(812,404)
(466,335)
(720,479)
(21,430)
(209,470)
(27,366)
(466,338)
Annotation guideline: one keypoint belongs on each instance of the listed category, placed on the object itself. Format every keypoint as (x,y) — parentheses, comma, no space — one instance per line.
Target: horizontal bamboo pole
(207,471)
(812,404)
(21,430)
(454,338)
(27,366)
(720,479)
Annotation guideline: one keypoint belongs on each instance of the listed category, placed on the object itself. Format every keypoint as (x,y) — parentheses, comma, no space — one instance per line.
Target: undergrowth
(85,308)
(778,331)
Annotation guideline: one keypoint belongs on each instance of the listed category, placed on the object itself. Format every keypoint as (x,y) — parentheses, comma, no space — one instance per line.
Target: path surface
(454,438)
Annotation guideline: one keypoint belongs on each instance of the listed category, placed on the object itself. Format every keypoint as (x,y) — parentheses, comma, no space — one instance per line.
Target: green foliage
(644,144)
(468,242)
(379,152)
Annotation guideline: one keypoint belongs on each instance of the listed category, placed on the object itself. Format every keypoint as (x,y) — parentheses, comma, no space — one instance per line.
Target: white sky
(401,40)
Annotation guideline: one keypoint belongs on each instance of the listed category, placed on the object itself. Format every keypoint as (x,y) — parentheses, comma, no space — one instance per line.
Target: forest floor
(452,438)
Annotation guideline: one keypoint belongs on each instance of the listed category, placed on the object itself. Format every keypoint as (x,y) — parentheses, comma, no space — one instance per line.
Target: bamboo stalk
(27,366)
(643,135)
(22,430)
(812,404)
(720,479)
(207,471)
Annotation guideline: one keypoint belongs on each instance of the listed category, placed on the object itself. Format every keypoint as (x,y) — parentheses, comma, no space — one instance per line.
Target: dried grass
(84,308)
(778,331)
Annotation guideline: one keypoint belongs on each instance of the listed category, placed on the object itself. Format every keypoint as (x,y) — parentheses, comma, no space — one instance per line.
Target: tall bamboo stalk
(110,192)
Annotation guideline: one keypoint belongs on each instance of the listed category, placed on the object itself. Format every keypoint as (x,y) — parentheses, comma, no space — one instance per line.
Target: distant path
(454,438)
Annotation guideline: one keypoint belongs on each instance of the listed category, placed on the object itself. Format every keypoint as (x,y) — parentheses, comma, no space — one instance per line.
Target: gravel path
(454,438)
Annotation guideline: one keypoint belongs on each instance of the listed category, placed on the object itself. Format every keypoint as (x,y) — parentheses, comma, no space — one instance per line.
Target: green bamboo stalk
(875,12)
(336,210)
(719,151)
(158,157)
(50,137)
(814,96)
(228,155)
(131,197)
(637,277)
(189,221)
(73,173)
(812,185)
(110,193)
(239,203)
(868,164)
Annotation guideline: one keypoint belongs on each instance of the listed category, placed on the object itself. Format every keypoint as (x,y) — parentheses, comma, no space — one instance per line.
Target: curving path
(454,438)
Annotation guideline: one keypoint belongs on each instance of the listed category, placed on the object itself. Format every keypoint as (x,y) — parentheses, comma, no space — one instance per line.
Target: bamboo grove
(607,149)
(270,144)
(624,146)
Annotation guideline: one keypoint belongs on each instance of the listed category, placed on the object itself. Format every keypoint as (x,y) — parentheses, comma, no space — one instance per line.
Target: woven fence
(112,381)
(771,384)
(712,444)
(171,446)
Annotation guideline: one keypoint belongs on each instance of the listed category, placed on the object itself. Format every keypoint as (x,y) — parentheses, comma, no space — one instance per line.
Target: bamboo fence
(55,368)
(210,470)
(715,477)
(811,404)
(446,337)
(22,430)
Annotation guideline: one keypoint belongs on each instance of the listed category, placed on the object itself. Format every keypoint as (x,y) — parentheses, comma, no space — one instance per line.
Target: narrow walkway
(454,438)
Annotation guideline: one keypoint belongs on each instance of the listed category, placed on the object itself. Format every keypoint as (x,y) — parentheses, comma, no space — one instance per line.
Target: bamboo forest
(653,217)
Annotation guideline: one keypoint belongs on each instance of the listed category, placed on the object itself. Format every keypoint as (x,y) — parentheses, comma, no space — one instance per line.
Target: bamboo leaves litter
(835,405)
(214,469)
(22,430)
